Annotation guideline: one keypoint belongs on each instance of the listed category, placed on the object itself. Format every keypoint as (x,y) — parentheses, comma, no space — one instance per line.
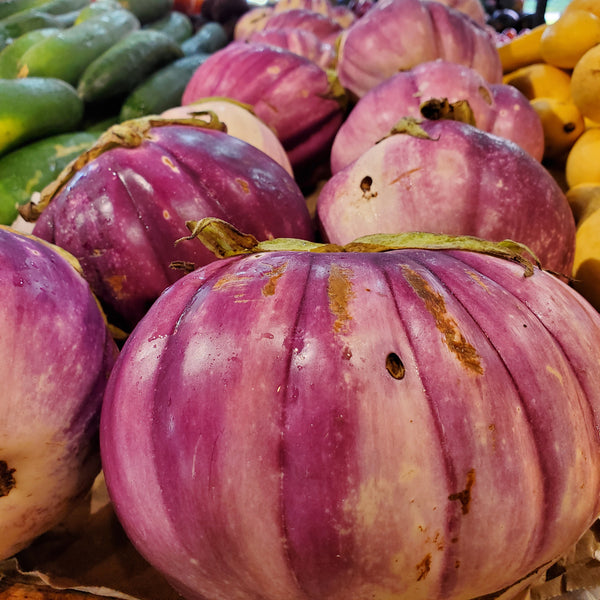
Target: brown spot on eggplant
(169,163)
(116,283)
(424,567)
(274,276)
(244,185)
(7,479)
(464,496)
(339,292)
(452,336)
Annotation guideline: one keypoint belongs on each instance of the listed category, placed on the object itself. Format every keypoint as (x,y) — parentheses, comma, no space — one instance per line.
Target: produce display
(301,300)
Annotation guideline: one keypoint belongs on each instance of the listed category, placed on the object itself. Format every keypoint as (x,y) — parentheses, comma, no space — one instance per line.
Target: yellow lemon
(586,264)
(592,6)
(562,123)
(584,199)
(583,161)
(585,84)
(565,41)
(540,80)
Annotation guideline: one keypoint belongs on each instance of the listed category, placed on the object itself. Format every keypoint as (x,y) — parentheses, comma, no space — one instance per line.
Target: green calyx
(224,241)
(128,134)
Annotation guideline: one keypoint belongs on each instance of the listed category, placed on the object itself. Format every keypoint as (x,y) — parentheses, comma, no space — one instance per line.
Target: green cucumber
(11,7)
(36,107)
(30,168)
(11,55)
(16,25)
(96,8)
(148,10)
(61,7)
(162,90)
(208,39)
(126,64)
(66,55)
(175,24)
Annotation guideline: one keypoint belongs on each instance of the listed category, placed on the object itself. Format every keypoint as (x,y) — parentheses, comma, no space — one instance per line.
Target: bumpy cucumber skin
(36,107)
(68,54)
(148,10)
(175,24)
(126,64)
(30,168)
(162,90)
(11,55)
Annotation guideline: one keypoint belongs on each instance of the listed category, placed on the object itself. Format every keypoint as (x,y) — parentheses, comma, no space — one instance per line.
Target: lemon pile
(557,67)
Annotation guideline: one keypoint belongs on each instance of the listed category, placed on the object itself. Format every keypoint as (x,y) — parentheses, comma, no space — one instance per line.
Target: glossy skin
(290,93)
(300,41)
(260,440)
(458,181)
(376,113)
(57,357)
(122,213)
(325,27)
(240,123)
(397,35)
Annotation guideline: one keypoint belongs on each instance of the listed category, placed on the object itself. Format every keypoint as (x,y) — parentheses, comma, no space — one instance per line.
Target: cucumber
(36,107)
(61,7)
(66,55)
(30,168)
(11,55)
(175,24)
(162,90)
(16,25)
(148,10)
(96,8)
(11,7)
(208,39)
(126,64)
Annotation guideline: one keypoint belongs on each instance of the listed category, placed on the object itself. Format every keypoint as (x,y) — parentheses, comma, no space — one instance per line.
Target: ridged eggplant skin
(456,180)
(58,353)
(289,92)
(400,34)
(121,214)
(408,425)
(497,108)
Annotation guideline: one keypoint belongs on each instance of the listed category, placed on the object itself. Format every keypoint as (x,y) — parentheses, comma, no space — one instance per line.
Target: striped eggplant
(396,35)
(122,207)
(409,424)
(497,108)
(450,177)
(58,353)
(302,102)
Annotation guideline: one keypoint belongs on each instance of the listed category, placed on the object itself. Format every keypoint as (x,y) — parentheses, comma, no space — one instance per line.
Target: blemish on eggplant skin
(169,163)
(424,567)
(274,275)
(366,185)
(451,334)
(464,496)
(7,479)
(339,292)
(244,185)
